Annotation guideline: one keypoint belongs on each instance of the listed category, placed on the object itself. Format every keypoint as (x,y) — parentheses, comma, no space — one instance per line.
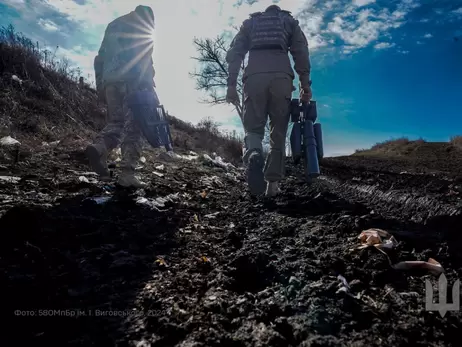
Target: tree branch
(212,74)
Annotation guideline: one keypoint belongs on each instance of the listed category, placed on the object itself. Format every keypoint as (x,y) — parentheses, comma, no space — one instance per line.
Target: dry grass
(404,147)
(53,102)
(392,147)
(207,137)
(456,141)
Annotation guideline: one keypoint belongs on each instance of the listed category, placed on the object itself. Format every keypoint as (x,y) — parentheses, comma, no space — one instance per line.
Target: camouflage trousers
(120,122)
(267,94)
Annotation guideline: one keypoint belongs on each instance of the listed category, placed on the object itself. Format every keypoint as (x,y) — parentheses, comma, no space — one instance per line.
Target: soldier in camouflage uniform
(268,86)
(123,64)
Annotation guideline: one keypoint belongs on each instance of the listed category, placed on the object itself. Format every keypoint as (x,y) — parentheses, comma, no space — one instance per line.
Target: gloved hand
(232,95)
(306,94)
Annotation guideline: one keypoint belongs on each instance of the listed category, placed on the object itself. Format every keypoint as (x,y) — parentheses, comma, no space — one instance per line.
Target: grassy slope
(50,103)
(398,155)
(411,149)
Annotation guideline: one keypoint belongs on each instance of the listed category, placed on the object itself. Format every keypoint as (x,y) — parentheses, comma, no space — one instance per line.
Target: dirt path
(96,266)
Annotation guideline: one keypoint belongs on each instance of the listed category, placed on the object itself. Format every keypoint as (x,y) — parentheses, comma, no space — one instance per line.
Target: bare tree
(212,74)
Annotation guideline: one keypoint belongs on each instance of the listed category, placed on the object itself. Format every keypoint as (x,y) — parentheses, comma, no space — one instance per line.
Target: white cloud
(360,3)
(403,51)
(14,2)
(360,33)
(94,12)
(311,25)
(427,36)
(48,25)
(358,28)
(384,45)
(458,11)
(349,50)
(332,4)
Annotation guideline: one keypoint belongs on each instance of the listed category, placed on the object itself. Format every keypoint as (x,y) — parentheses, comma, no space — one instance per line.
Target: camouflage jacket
(125,54)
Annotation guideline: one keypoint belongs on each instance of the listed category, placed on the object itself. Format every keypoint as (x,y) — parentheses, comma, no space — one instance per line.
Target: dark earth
(85,263)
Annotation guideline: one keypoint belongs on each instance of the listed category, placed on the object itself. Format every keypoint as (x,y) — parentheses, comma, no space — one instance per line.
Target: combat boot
(168,156)
(127,179)
(272,189)
(97,155)
(255,177)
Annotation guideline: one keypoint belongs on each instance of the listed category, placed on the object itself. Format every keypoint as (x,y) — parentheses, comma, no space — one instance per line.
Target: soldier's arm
(151,52)
(300,53)
(151,64)
(98,62)
(236,53)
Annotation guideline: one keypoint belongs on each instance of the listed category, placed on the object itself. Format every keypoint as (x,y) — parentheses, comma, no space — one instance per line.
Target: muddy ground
(84,263)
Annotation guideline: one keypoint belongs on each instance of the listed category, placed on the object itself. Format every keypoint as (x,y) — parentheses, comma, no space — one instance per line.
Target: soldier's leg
(131,145)
(278,109)
(109,138)
(254,120)
(131,152)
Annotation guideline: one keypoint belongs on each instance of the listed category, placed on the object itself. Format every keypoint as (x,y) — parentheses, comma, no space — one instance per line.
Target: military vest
(268,31)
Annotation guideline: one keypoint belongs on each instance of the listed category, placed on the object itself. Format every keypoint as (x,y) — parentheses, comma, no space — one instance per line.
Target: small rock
(241,301)
(10,179)
(84,179)
(16,79)
(294,281)
(9,141)
(143,343)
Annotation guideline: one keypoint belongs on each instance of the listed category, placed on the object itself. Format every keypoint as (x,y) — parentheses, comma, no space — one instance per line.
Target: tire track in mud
(415,207)
(424,210)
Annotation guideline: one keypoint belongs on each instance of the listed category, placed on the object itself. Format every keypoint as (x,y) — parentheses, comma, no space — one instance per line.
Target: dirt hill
(402,154)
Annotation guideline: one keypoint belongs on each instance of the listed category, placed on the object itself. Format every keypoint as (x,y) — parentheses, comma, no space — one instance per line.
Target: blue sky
(381,68)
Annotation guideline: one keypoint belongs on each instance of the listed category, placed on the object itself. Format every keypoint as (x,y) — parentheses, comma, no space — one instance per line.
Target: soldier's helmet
(273,8)
(146,13)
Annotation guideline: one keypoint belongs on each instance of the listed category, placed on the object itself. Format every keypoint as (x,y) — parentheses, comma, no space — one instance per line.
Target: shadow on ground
(80,258)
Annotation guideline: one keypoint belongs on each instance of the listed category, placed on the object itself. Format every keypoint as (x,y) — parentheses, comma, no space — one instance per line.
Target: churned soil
(192,260)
